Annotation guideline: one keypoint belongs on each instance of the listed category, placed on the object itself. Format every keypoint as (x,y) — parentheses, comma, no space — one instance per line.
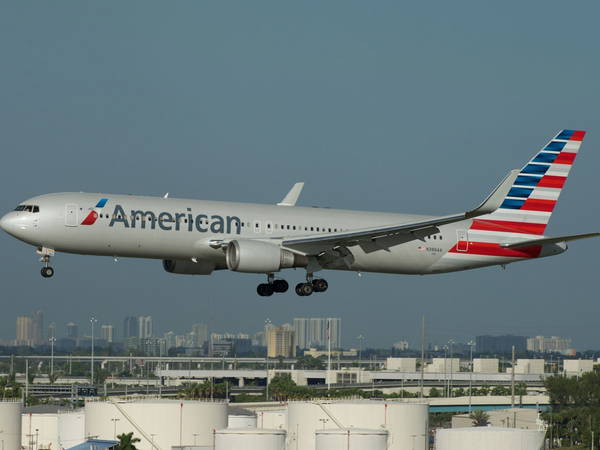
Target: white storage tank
(249,439)
(406,423)
(168,423)
(488,438)
(241,421)
(71,428)
(10,424)
(275,419)
(353,438)
(39,429)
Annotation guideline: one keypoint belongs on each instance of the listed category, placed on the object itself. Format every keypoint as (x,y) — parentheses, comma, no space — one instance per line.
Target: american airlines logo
(176,221)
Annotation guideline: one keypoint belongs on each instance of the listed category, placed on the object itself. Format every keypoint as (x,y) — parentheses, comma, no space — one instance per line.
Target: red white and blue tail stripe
(527,208)
(529,204)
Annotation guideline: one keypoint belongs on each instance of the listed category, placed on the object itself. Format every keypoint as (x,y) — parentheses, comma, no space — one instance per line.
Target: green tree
(310,363)
(127,441)
(434,392)
(480,418)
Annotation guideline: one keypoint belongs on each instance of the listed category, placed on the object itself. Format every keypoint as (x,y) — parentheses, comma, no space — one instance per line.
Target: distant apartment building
(145,330)
(199,334)
(500,344)
(107,333)
(51,330)
(37,328)
(224,344)
(314,332)
(401,345)
(130,327)
(24,333)
(280,341)
(72,330)
(552,344)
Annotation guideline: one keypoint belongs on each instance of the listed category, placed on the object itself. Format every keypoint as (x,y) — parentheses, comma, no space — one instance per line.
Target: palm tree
(480,418)
(126,441)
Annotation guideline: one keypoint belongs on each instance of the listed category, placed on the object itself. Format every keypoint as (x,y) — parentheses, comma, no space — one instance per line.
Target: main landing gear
(46,253)
(311,285)
(272,286)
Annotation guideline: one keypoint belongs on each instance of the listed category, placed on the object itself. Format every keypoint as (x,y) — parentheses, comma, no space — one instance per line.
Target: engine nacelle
(188,267)
(261,257)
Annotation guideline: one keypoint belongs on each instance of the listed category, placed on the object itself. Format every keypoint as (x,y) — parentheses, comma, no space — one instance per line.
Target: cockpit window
(28,208)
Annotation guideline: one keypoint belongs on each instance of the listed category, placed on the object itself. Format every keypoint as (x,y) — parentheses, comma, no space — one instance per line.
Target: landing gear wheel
(280,286)
(47,272)
(264,290)
(320,285)
(304,289)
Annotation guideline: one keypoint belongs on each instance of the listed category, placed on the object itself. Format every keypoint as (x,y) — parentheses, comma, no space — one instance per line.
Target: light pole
(52,341)
(450,342)
(360,338)
(445,371)
(114,421)
(92,321)
(471,344)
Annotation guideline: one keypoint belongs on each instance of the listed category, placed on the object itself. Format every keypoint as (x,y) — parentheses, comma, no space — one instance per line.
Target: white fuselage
(181,229)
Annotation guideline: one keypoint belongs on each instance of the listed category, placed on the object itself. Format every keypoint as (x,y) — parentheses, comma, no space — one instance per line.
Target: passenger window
(36,209)
(294,227)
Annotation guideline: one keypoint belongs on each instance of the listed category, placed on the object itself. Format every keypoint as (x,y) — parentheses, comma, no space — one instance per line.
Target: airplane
(197,237)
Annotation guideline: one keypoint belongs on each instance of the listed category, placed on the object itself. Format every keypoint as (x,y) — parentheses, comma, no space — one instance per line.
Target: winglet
(495,199)
(292,197)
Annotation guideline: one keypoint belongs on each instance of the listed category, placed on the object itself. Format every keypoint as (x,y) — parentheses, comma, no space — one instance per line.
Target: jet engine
(261,257)
(188,267)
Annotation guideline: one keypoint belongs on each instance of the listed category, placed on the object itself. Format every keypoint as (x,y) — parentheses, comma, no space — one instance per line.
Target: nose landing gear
(46,253)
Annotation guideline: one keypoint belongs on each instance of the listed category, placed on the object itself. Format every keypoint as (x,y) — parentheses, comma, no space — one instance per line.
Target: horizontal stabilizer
(549,240)
(292,197)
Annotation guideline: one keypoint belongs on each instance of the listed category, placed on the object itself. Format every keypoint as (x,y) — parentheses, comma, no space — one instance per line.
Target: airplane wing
(549,240)
(396,233)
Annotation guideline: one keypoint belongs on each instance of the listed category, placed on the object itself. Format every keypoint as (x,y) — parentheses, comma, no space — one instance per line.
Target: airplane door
(71,215)
(462,240)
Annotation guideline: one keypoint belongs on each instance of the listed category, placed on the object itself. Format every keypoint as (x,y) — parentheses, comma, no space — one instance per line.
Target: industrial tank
(158,423)
(406,423)
(10,424)
(241,421)
(275,419)
(353,438)
(249,439)
(71,428)
(488,438)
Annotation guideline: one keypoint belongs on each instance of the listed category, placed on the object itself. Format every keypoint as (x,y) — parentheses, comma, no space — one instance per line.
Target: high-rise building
(312,332)
(130,327)
(37,328)
(72,330)
(24,331)
(51,330)
(200,334)
(500,344)
(548,344)
(107,333)
(280,341)
(145,327)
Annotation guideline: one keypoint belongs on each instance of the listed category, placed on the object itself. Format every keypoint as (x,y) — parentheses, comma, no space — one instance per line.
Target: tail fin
(529,203)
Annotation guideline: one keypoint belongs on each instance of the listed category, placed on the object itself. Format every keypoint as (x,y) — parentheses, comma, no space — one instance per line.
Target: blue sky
(392,106)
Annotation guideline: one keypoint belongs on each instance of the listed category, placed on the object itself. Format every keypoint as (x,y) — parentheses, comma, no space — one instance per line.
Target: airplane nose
(4,222)
(8,223)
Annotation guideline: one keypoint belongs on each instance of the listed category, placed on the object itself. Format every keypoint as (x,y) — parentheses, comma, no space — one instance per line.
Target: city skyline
(308,333)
